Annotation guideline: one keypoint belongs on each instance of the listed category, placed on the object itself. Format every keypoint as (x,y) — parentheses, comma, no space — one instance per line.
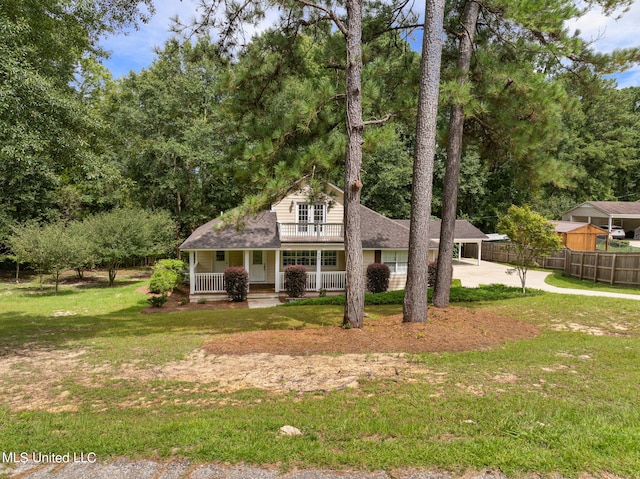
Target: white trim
(277,280)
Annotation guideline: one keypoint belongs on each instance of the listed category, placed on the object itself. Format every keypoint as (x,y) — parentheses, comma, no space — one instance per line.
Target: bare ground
(302,360)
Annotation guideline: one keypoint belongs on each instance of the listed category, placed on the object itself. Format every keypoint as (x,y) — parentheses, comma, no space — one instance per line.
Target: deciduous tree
(531,236)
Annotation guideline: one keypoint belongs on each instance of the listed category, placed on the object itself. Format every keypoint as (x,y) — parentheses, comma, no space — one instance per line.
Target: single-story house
(578,236)
(620,213)
(296,232)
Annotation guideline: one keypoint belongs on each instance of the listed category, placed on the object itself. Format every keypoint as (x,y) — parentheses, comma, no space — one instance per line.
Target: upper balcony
(311,232)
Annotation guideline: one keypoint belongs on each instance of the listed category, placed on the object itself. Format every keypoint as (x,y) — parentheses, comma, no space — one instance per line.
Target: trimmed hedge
(236,283)
(295,278)
(459,294)
(378,277)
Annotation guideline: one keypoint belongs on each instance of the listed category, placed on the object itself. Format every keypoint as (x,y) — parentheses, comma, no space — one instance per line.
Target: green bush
(378,277)
(176,265)
(163,281)
(459,294)
(236,283)
(295,278)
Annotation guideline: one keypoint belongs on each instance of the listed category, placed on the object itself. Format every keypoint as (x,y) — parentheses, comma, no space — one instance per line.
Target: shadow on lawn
(20,330)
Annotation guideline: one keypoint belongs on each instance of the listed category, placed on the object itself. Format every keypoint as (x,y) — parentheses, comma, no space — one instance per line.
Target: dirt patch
(311,359)
(284,373)
(450,329)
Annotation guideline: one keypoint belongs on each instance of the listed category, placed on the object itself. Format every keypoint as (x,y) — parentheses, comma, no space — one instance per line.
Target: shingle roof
(569,226)
(463,229)
(378,231)
(616,207)
(259,232)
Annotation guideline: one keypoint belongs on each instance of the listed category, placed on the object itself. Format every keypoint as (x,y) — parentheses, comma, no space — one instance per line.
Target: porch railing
(209,283)
(311,231)
(330,281)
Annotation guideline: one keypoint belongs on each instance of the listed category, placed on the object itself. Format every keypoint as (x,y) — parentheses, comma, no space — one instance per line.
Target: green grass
(562,403)
(561,281)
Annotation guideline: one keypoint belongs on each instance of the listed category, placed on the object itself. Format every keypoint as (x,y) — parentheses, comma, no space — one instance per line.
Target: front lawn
(562,281)
(85,371)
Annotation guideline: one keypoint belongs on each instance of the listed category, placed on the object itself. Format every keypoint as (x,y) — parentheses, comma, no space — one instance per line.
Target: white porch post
(318,270)
(192,272)
(247,262)
(479,252)
(277,271)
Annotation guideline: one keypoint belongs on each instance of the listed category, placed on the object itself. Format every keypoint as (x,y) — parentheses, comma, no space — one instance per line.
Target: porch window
(219,255)
(330,258)
(304,258)
(396,260)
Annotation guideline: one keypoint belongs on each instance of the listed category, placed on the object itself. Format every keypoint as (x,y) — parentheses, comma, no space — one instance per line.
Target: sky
(135,50)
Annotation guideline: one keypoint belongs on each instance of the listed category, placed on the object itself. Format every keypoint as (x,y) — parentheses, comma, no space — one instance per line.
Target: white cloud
(135,50)
(610,33)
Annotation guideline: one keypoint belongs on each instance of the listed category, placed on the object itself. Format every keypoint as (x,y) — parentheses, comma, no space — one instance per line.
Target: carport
(621,213)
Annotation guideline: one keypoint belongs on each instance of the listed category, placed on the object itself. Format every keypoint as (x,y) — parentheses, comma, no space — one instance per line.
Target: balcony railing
(311,231)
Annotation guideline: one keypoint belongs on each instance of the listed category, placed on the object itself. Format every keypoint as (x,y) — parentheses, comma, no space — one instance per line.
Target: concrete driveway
(473,275)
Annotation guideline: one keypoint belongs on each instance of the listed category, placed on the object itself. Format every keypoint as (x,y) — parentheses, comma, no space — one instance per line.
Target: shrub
(236,283)
(163,281)
(176,265)
(157,301)
(295,278)
(378,277)
(432,273)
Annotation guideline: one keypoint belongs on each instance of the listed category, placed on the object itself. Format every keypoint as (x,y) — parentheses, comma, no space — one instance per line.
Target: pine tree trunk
(354,304)
(454,156)
(415,298)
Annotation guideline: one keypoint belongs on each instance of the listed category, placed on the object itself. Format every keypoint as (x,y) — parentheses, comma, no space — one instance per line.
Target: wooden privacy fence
(502,253)
(612,268)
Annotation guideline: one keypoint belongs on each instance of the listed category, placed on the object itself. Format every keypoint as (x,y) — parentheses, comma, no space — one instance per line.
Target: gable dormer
(302,219)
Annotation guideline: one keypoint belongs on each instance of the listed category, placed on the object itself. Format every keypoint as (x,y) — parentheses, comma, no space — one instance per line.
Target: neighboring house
(578,236)
(620,213)
(295,232)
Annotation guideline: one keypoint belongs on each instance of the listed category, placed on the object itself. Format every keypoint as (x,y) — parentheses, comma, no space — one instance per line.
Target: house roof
(378,231)
(572,226)
(614,208)
(463,230)
(260,232)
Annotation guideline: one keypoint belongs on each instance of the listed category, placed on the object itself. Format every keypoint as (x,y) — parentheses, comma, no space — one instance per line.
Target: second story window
(307,214)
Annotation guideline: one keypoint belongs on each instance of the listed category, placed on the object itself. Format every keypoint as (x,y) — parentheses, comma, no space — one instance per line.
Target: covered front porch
(325,269)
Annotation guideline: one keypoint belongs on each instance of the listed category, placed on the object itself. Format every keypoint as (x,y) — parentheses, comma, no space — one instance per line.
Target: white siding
(205,262)
(286,208)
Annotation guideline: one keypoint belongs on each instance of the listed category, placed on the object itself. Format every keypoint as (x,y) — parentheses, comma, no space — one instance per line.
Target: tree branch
(330,13)
(387,117)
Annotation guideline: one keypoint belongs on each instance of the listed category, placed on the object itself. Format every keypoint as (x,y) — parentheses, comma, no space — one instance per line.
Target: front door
(258,270)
